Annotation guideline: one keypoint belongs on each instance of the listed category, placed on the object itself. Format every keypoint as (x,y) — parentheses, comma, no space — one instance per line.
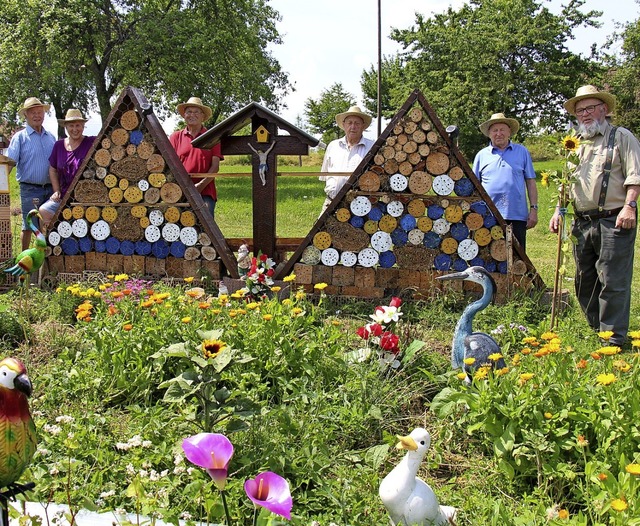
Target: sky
(335,40)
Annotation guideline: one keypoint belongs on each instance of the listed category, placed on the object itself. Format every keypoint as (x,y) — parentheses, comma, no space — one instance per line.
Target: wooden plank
(278,174)
(285,144)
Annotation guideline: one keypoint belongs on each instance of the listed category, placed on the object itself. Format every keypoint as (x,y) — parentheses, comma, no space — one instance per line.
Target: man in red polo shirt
(196,160)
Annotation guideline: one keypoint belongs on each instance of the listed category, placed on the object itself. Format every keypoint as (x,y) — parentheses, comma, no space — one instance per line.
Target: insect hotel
(412,210)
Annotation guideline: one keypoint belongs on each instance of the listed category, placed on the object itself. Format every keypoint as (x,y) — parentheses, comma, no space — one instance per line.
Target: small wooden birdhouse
(262,134)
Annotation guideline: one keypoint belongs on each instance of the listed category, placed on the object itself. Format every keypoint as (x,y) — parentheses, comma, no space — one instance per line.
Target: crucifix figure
(262,156)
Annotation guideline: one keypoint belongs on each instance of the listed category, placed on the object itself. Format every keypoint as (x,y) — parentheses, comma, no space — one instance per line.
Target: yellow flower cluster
(84,311)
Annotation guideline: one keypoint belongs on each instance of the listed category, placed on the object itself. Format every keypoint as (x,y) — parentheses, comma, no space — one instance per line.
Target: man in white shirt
(346,153)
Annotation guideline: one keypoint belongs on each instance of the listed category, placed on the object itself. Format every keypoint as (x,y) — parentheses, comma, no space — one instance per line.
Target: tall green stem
(226,508)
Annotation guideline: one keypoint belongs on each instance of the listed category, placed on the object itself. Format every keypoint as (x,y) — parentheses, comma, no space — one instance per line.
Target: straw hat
(496,118)
(590,92)
(353,111)
(197,103)
(73,115)
(32,102)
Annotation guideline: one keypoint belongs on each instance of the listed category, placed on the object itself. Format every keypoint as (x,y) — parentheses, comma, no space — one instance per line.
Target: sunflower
(570,143)
(212,348)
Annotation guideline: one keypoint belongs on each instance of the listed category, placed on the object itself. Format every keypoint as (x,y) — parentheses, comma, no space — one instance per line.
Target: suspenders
(607,169)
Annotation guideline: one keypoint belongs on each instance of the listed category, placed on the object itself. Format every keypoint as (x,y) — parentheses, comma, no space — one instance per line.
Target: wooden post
(264,196)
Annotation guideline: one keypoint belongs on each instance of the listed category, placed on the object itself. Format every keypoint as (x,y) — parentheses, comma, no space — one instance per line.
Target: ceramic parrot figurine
(17,430)
(30,260)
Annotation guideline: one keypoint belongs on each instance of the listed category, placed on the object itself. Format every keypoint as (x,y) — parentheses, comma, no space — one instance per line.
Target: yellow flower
(336,323)
(634,469)
(525,377)
(461,376)
(296,311)
(287,301)
(189,279)
(121,277)
(320,286)
(495,356)
(548,416)
(300,295)
(549,336)
(252,306)
(529,339)
(570,143)
(605,335)
(608,351)
(619,505)
(267,317)
(525,350)
(563,514)
(290,277)
(117,294)
(606,378)
(212,348)
(276,288)
(481,373)
(469,361)
(502,371)
(516,359)
(545,178)
(635,343)
(216,311)
(622,366)
(204,305)
(186,319)
(634,334)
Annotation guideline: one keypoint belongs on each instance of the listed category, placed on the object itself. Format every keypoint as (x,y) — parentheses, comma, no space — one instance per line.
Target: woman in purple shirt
(65,159)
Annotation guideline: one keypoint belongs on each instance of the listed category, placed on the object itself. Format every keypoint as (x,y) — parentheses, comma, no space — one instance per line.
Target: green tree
(171,49)
(489,56)
(321,113)
(623,76)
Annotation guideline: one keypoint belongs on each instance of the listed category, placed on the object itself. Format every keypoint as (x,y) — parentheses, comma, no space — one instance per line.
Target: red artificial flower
(389,342)
(270,272)
(395,302)
(371,329)
(263,257)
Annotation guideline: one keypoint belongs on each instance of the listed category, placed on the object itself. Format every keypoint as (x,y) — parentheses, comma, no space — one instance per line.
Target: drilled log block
(409,279)
(322,274)
(303,273)
(155,267)
(74,264)
(343,276)
(211,269)
(97,261)
(357,292)
(115,263)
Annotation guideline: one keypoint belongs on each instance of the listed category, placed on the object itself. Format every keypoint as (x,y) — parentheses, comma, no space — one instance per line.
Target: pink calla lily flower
(272,492)
(211,451)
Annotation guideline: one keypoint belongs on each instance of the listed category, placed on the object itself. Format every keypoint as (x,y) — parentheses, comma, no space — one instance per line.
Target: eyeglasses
(588,109)
(193,112)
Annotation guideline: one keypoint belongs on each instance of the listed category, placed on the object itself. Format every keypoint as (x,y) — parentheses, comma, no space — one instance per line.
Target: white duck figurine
(409,500)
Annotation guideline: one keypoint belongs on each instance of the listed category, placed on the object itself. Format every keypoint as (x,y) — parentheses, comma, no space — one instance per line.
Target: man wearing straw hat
(604,192)
(196,160)
(345,154)
(29,150)
(505,170)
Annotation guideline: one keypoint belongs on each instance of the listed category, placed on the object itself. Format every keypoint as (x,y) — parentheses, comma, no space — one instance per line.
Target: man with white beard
(604,193)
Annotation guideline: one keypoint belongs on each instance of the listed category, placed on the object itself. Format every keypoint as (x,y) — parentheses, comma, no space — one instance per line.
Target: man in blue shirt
(505,170)
(29,150)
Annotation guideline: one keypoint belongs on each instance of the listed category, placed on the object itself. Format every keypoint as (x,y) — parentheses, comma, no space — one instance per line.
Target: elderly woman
(65,159)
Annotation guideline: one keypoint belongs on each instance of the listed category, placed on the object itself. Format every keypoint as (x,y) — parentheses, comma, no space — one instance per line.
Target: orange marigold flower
(563,514)
(622,366)
(112,310)
(204,305)
(602,477)
(548,336)
(267,317)
(582,364)
(127,327)
(581,441)
(126,292)
(595,356)
(526,350)
(117,294)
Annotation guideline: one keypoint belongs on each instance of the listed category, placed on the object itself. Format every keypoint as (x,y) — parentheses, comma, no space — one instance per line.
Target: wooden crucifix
(264,145)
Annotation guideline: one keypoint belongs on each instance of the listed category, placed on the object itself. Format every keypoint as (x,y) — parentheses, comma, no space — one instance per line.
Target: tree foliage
(73,52)
(623,78)
(489,56)
(321,113)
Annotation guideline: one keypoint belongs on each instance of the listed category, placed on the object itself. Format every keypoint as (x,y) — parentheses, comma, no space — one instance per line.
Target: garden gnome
(244,260)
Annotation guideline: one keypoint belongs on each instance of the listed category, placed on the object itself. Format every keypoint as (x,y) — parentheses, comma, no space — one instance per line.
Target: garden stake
(556,297)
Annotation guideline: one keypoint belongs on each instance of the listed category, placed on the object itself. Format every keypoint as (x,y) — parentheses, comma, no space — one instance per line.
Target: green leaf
(375,456)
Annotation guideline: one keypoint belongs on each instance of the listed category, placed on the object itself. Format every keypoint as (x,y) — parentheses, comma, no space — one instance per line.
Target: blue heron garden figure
(469,344)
